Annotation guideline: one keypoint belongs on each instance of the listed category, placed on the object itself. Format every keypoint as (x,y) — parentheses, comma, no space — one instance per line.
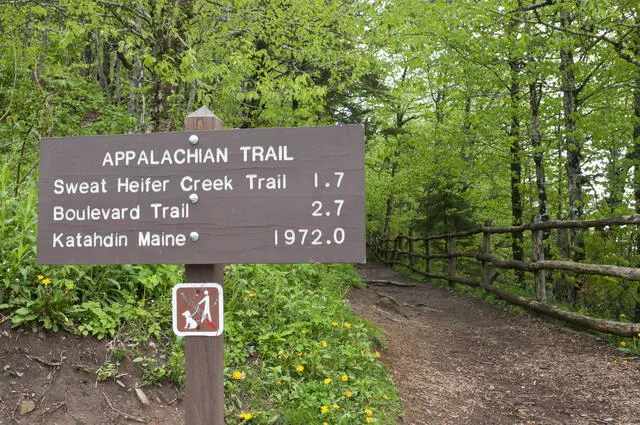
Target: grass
(298,350)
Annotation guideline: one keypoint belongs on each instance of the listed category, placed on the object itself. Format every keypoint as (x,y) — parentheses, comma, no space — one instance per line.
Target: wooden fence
(403,251)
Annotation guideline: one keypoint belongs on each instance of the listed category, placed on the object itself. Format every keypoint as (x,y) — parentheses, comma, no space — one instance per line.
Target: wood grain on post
(486,251)
(386,250)
(451,254)
(427,255)
(412,260)
(204,355)
(396,247)
(537,246)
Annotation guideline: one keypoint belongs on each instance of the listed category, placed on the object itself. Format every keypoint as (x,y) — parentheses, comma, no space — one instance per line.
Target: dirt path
(460,360)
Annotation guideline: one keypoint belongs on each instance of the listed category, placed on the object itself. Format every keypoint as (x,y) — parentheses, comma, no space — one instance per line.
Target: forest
(474,112)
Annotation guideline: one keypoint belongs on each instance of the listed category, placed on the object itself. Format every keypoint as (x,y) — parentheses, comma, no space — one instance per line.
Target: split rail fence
(406,251)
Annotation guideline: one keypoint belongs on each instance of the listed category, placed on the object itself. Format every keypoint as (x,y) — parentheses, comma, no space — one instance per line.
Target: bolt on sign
(278,195)
(197,309)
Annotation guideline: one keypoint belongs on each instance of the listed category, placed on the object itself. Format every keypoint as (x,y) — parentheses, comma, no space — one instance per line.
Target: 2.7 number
(317,211)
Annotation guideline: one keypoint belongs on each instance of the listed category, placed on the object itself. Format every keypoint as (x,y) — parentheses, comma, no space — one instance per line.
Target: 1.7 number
(339,175)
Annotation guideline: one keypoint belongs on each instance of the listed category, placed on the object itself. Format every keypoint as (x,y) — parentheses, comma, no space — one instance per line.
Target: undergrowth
(294,352)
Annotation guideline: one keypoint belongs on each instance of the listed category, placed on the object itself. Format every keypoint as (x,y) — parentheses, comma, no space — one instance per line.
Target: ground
(459,360)
(50,378)
(456,360)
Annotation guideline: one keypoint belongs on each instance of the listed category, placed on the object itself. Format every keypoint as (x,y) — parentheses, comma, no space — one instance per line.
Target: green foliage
(293,343)
(444,208)
(630,346)
(444,89)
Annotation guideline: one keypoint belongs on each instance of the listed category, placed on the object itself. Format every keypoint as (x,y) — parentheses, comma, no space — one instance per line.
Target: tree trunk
(636,146)
(136,105)
(615,178)
(535,96)
(517,240)
(169,35)
(636,142)
(386,228)
(573,145)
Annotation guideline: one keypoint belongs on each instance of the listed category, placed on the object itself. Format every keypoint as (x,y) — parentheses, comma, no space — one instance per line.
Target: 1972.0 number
(308,237)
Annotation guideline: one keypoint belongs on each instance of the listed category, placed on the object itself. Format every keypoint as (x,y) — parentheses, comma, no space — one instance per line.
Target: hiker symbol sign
(197,309)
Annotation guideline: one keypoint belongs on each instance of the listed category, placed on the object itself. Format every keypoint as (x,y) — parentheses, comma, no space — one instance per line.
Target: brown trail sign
(277,195)
(203,198)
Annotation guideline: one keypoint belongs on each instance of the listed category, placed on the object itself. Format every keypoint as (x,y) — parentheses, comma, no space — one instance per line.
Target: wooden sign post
(203,198)
(204,356)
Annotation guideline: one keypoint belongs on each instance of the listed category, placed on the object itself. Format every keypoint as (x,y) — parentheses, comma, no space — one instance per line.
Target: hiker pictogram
(197,309)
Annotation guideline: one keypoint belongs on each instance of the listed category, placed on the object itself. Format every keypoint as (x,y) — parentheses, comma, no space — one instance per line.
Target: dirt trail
(460,360)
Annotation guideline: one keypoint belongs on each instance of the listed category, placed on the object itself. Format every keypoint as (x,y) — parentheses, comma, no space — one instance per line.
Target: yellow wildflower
(299,368)
(238,375)
(334,324)
(345,378)
(349,394)
(335,406)
(323,343)
(299,355)
(368,412)
(376,355)
(40,277)
(625,362)
(246,416)
(324,409)
(347,325)
(70,286)
(327,380)
(45,282)
(623,343)
(622,316)
(385,397)
(368,419)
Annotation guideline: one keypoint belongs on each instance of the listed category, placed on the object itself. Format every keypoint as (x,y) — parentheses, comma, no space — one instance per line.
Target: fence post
(410,249)
(427,253)
(386,249)
(538,255)
(486,251)
(373,245)
(451,251)
(396,247)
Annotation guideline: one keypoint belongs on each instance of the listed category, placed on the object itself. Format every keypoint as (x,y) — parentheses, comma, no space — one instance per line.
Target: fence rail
(402,251)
